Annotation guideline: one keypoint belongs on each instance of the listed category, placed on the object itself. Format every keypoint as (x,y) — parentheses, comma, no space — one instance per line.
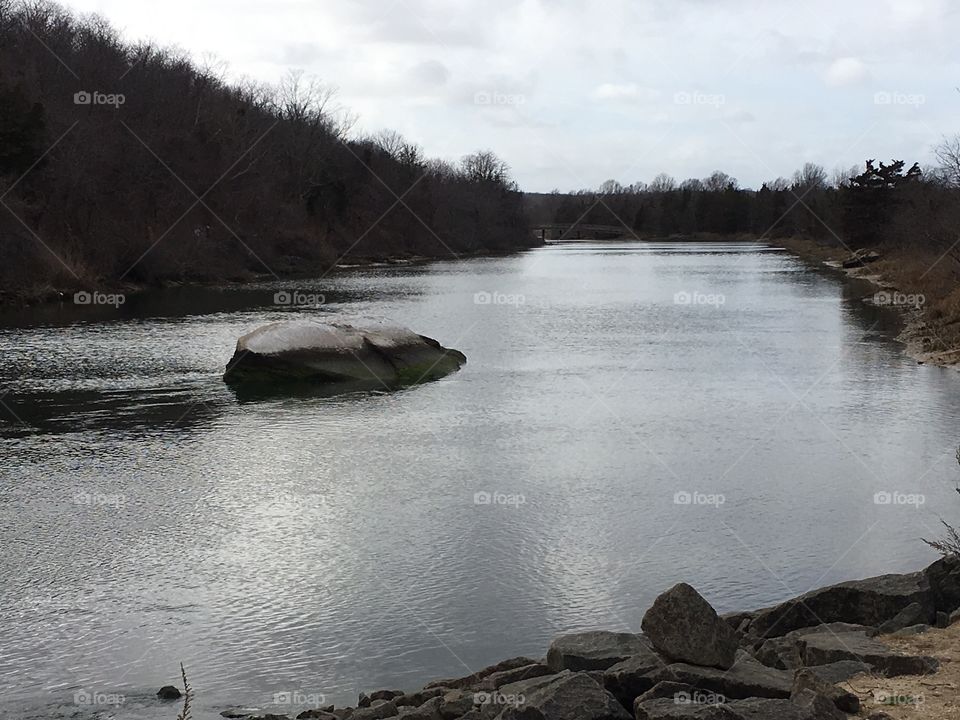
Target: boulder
(472,680)
(666,689)
(671,709)
(573,696)
(912,614)
(594,650)
(456,703)
(430,710)
(911,630)
(839,671)
(806,679)
(860,258)
(504,677)
(418,698)
(823,648)
(337,352)
(168,692)
(746,678)
(866,602)
(633,676)
(376,711)
(683,626)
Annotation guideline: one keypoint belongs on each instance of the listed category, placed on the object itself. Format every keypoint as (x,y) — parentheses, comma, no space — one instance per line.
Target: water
(323,546)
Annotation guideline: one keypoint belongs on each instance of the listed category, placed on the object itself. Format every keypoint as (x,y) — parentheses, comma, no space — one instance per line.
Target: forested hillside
(129,163)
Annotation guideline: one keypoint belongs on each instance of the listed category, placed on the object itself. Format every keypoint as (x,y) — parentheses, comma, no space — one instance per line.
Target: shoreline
(918,336)
(838,651)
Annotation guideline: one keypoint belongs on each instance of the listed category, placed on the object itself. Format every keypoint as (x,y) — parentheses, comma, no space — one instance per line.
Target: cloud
(624,92)
(845,71)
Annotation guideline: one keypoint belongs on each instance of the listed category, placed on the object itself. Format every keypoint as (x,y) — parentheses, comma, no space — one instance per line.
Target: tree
(662,183)
(809,178)
(485,167)
(719,181)
(949,545)
(611,187)
(947,153)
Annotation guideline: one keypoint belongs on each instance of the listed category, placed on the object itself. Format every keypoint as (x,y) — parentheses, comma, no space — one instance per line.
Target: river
(631,415)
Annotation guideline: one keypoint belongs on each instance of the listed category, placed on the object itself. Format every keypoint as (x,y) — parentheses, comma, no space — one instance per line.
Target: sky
(571,93)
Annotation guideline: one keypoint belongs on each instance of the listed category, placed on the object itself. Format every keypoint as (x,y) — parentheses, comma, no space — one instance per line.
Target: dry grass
(918,697)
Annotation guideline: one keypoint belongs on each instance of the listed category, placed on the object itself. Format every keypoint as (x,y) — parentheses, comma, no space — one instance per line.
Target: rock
(782,653)
(823,648)
(504,677)
(665,689)
(746,678)
(234,713)
(528,687)
(367,352)
(954,616)
(363,701)
(879,716)
(865,602)
(860,258)
(633,676)
(911,630)
(520,713)
(912,614)
(683,626)
(806,679)
(317,714)
(429,710)
(378,711)
(839,671)
(575,696)
(594,650)
(817,706)
(168,692)
(456,703)
(943,619)
(670,709)
(385,694)
(736,619)
(418,698)
(472,680)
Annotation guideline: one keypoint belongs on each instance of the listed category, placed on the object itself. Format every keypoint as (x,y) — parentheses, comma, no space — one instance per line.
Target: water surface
(327,545)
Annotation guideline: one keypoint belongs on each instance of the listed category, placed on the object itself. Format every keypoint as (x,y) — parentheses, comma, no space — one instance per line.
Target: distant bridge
(565,232)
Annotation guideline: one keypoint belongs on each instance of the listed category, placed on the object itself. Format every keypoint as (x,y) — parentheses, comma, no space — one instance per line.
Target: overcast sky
(572,92)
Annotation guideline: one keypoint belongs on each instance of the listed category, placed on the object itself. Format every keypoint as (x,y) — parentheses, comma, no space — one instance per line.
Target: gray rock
(573,696)
(632,677)
(670,709)
(782,653)
(168,692)
(594,650)
(943,619)
(954,616)
(839,671)
(385,694)
(912,614)
(866,602)
(339,351)
(736,619)
(430,710)
(378,711)
(746,678)
(817,707)
(911,630)
(683,626)
(504,677)
(456,703)
(420,697)
(665,689)
(806,679)
(472,680)
(944,578)
(823,648)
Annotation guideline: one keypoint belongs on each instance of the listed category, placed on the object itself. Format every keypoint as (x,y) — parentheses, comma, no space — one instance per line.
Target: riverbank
(858,648)
(922,288)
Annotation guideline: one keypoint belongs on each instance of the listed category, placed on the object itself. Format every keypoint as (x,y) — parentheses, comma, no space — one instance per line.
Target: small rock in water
(168,692)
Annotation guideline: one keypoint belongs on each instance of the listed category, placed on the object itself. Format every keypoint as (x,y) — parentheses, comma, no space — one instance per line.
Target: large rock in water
(359,352)
(684,627)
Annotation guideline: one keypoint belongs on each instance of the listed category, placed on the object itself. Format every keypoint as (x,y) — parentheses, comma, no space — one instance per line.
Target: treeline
(131,163)
(878,204)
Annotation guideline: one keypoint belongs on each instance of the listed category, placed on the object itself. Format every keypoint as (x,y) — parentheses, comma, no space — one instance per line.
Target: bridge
(565,232)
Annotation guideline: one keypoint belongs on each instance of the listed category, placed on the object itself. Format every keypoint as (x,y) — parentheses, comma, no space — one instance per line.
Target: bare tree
(948,155)
(662,183)
(810,177)
(611,187)
(485,166)
(719,181)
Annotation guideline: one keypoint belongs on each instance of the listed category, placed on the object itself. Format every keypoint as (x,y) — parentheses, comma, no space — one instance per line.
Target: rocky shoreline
(787,662)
